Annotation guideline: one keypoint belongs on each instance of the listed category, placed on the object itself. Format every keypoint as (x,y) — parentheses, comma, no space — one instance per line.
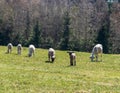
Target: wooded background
(61,24)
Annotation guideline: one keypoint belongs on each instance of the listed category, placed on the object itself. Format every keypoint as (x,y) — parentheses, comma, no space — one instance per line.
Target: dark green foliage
(66,32)
(74,45)
(103,35)
(47,43)
(27,32)
(70,25)
(18,39)
(110,7)
(6,32)
(36,39)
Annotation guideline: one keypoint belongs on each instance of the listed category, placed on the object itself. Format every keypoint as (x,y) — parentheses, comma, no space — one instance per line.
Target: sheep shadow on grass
(49,62)
(96,61)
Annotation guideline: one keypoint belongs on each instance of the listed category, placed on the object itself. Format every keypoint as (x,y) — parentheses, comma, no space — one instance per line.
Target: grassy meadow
(21,74)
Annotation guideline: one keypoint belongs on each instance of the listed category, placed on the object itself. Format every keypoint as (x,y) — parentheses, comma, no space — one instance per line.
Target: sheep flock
(97,49)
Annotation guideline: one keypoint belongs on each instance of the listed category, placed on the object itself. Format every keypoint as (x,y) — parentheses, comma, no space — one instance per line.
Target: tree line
(61,24)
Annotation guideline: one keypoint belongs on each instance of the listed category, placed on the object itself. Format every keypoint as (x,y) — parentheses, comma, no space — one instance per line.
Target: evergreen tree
(103,35)
(66,32)
(36,40)
(27,32)
(6,32)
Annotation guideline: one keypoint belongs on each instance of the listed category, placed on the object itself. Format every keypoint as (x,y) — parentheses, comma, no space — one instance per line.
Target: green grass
(21,74)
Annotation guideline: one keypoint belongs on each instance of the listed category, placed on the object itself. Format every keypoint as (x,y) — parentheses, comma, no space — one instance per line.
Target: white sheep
(97,49)
(9,48)
(51,54)
(72,58)
(31,50)
(19,49)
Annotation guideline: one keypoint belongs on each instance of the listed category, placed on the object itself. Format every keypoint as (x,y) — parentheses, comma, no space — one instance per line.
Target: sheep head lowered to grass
(72,58)
(9,48)
(31,50)
(51,54)
(19,49)
(97,49)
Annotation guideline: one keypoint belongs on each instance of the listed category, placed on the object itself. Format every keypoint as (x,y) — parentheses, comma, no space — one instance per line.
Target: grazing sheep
(9,46)
(31,50)
(19,49)
(97,49)
(72,58)
(51,54)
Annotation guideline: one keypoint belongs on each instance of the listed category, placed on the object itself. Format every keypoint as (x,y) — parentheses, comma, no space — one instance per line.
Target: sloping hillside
(21,74)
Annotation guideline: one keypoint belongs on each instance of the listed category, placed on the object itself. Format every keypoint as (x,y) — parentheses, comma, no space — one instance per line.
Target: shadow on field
(11,53)
(26,56)
(96,61)
(49,62)
(70,66)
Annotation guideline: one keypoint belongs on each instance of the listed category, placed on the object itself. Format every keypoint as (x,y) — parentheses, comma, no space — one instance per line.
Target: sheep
(97,49)
(51,54)
(72,58)
(19,49)
(31,50)
(9,48)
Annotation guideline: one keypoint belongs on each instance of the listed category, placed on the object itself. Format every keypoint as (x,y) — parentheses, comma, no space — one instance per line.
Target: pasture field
(21,74)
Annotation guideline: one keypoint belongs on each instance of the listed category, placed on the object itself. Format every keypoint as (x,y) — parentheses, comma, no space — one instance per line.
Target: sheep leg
(97,58)
(75,63)
(52,59)
(101,57)
(49,57)
(71,62)
(33,52)
(8,51)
